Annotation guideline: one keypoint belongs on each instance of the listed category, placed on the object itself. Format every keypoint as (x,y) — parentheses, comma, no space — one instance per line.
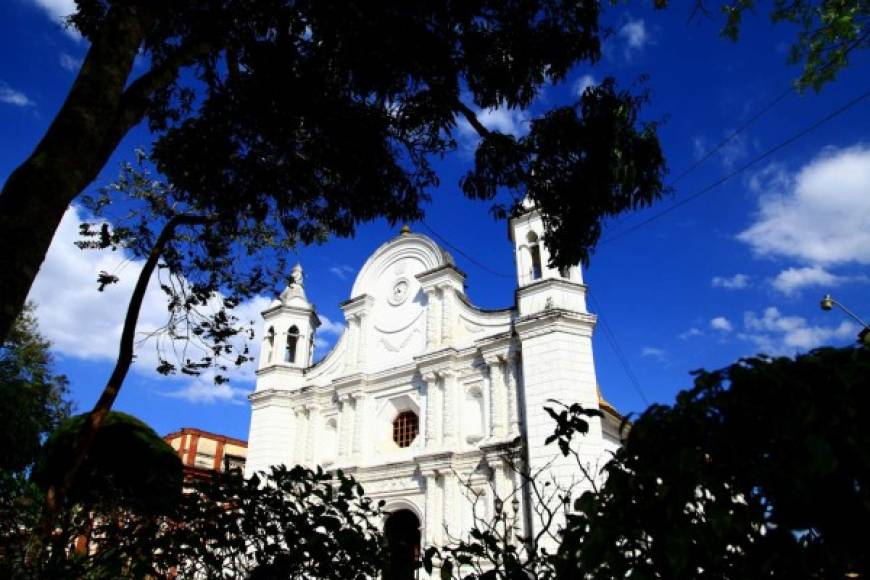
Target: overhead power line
(791,88)
(733,135)
(468,257)
(617,350)
(783,144)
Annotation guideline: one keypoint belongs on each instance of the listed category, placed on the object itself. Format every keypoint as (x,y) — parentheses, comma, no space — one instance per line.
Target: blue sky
(732,272)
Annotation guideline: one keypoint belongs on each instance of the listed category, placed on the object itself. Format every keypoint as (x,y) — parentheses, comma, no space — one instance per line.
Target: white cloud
(502,119)
(203,390)
(86,324)
(342,271)
(691,333)
(321,345)
(735,282)
(69,62)
(634,33)
(820,214)
(10,96)
(327,326)
(776,334)
(721,324)
(59,11)
(792,280)
(653,352)
(584,83)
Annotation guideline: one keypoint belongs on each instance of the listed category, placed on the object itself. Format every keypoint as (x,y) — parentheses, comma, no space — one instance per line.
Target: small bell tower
(540,286)
(289,325)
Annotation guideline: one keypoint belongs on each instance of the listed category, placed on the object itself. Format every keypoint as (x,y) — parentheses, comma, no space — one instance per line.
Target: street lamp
(828,303)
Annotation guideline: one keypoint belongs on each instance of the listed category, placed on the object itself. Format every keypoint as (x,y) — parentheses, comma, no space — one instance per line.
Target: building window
(232,463)
(406,425)
(292,341)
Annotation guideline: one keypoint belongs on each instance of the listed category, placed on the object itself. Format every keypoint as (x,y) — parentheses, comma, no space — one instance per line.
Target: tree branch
(134,102)
(56,493)
(472,119)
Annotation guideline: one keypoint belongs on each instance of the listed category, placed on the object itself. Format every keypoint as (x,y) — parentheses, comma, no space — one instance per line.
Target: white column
(451,499)
(359,403)
(300,431)
(344,426)
(446,314)
(433,335)
(362,347)
(313,429)
(511,382)
(498,397)
(352,353)
(449,413)
(433,515)
(433,404)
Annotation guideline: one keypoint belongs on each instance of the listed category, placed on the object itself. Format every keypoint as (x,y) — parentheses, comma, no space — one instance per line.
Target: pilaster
(440,286)
(447,298)
(300,420)
(433,407)
(359,405)
(433,318)
(313,428)
(448,378)
(345,425)
(512,381)
(356,313)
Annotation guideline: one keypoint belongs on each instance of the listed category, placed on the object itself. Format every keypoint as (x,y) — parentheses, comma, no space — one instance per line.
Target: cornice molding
(555,320)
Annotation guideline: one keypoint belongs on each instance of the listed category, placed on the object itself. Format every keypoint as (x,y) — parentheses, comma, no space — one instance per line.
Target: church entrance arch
(402,534)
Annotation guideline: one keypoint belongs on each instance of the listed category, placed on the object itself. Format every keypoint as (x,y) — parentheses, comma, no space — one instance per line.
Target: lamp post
(828,303)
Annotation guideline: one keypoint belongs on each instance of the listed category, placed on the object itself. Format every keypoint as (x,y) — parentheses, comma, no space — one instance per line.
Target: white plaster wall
(271,438)
(557,364)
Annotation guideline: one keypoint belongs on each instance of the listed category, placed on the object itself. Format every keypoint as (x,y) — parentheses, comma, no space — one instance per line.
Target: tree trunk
(75,148)
(56,493)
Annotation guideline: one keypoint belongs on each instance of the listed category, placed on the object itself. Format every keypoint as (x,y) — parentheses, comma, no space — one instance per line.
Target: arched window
(270,343)
(406,425)
(292,341)
(535,253)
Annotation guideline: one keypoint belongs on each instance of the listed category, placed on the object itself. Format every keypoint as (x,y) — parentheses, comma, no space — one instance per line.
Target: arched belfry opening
(402,534)
(537,269)
(292,340)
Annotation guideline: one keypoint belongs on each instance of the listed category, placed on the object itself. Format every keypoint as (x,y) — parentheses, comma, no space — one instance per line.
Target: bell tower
(289,325)
(555,336)
(540,286)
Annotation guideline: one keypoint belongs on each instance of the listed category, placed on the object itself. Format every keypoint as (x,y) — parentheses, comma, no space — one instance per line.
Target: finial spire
(405,230)
(296,276)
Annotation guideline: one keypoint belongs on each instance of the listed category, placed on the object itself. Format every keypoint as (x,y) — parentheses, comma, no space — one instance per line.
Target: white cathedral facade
(433,404)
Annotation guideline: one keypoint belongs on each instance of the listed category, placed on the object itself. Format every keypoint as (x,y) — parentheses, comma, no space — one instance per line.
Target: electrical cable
(614,344)
(739,170)
(463,254)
